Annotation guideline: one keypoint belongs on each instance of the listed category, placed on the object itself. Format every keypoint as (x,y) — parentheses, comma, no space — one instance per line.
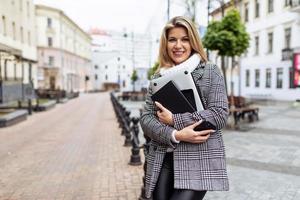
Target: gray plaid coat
(196,166)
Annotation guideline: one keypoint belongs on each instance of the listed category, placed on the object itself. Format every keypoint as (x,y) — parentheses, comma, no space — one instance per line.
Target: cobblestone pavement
(264,161)
(74,151)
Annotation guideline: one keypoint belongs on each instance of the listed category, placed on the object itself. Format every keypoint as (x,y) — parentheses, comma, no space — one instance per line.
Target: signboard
(296,68)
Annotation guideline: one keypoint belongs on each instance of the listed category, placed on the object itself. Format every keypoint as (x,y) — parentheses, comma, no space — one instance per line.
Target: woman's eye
(172,40)
(185,39)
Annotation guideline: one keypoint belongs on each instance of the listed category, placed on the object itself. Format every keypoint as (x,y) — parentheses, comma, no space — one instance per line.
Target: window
(106,66)
(29,37)
(51,61)
(287,38)
(119,58)
(106,77)
(246,12)
(247,78)
(256,8)
(124,66)
(96,77)
(15,71)
(268,78)
(4,25)
(49,22)
(256,40)
(50,42)
(21,5)
(270,42)
(96,66)
(22,34)
(14,30)
(270,6)
(28,8)
(291,72)
(257,77)
(279,77)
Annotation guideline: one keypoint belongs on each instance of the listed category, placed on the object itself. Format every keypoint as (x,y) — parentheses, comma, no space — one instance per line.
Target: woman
(182,164)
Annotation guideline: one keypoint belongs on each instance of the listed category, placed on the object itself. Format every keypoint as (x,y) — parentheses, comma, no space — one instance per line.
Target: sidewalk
(264,161)
(74,151)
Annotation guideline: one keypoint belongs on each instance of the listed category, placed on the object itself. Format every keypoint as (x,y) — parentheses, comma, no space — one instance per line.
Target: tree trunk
(224,72)
(231,83)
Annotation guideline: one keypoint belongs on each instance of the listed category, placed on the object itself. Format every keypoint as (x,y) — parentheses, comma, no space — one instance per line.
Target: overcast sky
(133,15)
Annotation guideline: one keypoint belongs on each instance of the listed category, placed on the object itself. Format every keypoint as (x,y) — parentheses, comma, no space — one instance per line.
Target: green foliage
(152,70)
(134,77)
(228,37)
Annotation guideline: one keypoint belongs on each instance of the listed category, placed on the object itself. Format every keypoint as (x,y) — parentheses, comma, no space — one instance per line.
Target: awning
(10,50)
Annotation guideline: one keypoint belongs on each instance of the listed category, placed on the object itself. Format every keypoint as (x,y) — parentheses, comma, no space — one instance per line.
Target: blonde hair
(195,41)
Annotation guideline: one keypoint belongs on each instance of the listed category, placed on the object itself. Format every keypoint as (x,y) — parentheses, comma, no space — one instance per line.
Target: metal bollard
(135,158)
(127,134)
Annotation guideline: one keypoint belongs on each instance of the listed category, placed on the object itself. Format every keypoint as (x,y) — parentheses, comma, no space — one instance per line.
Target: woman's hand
(164,115)
(189,135)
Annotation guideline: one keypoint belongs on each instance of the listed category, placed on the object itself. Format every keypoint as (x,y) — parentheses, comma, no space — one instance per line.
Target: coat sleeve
(151,125)
(217,105)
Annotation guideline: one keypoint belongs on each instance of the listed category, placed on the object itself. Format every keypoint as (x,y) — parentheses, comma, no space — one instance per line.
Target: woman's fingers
(204,132)
(161,107)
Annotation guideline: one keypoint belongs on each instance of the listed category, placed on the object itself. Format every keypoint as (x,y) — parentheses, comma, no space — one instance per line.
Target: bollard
(135,158)
(29,107)
(127,134)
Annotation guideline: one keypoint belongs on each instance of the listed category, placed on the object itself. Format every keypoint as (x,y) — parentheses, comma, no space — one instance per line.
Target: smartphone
(205,125)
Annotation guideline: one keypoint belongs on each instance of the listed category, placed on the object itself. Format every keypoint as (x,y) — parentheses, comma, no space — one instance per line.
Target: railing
(130,130)
(10,91)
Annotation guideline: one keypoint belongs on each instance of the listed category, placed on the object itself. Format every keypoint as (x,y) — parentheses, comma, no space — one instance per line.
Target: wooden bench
(240,113)
(241,109)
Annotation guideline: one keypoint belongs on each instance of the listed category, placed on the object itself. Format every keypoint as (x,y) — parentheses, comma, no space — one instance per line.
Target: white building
(274,27)
(111,70)
(18,54)
(133,46)
(121,53)
(64,51)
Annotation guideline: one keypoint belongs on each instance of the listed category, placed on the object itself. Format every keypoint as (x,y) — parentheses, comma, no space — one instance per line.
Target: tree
(134,77)
(152,70)
(228,37)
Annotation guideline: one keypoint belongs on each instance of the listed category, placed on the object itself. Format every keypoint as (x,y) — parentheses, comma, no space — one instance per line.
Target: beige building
(64,51)
(17,49)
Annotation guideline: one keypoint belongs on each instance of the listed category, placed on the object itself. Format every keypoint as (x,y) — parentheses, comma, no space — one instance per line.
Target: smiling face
(178,45)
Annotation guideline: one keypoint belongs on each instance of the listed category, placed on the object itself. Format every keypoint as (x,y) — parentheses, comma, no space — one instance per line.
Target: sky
(132,15)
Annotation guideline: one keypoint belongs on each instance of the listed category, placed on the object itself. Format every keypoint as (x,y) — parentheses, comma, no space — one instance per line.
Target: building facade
(111,71)
(115,55)
(265,71)
(64,52)
(18,53)
(267,67)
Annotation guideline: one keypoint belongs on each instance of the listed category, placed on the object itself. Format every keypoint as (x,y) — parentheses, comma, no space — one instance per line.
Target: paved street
(264,161)
(73,151)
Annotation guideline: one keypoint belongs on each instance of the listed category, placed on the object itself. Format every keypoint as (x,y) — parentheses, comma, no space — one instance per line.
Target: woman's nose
(178,44)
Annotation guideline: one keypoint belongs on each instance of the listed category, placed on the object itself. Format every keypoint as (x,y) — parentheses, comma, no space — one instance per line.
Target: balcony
(295,5)
(287,54)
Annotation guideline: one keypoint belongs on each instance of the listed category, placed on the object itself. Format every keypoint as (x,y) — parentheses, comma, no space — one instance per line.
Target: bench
(13,118)
(241,108)
(240,113)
